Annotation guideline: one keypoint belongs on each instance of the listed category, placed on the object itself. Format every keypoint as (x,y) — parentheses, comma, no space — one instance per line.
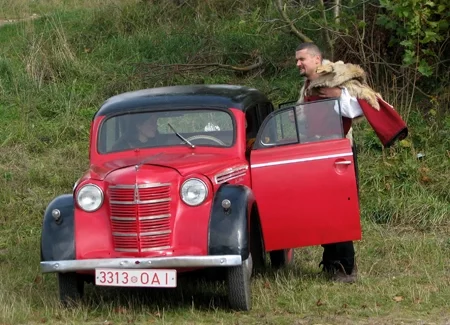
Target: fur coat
(340,74)
(385,121)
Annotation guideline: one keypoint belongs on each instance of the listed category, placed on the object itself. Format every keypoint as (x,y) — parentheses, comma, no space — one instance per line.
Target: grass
(56,70)
(403,277)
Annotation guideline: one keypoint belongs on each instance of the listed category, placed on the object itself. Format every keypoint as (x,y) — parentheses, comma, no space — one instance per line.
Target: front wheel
(71,288)
(239,285)
(281,258)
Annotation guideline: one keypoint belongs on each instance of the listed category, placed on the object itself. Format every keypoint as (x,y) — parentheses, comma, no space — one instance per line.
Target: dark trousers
(343,253)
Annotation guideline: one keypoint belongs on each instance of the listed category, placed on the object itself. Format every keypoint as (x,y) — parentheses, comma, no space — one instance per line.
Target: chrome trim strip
(145,234)
(123,218)
(121,234)
(155,233)
(160,216)
(231,170)
(150,185)
(135,250)
(223,176)
(127,250)
(154,249)
(293,161)
(141,263)
(140,202)
(226,179)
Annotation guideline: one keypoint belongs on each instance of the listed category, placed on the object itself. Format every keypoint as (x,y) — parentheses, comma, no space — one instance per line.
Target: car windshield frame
(165,132)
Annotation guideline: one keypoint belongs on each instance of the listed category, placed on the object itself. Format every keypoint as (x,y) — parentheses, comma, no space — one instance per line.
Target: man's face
(307,63)
(148,128)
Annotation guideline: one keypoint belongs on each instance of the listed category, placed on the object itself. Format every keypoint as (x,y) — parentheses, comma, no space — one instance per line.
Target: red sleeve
(386,122)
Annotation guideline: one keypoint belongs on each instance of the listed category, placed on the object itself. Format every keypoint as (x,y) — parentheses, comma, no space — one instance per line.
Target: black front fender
(58,238)
(229,231)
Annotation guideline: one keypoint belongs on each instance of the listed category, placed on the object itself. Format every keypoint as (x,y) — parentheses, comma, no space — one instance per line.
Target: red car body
(290,188)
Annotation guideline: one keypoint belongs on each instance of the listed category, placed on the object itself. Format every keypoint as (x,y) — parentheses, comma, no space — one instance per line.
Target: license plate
(136,278)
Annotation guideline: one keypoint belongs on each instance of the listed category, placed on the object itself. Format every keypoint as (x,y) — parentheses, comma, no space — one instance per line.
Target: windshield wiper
(181,137)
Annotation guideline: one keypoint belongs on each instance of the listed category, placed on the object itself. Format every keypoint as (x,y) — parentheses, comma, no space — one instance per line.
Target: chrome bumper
(141,263)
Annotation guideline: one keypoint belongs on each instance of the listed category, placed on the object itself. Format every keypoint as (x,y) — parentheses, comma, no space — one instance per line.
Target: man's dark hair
(311,47)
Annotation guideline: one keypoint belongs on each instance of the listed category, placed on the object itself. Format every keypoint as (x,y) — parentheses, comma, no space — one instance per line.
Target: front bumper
(141,263)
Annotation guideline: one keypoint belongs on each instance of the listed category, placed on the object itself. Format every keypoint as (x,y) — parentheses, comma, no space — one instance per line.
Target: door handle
(345,162)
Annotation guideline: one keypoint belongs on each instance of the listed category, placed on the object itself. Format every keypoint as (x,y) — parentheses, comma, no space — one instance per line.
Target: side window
(319,120)
(111,131)
(278,130)
(304,123)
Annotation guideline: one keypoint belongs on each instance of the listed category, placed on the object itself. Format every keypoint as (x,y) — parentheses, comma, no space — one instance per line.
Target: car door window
(304,123)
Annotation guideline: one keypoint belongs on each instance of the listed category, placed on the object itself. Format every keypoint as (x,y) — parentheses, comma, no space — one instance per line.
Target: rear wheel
(71,288)
(239,285)
(281,258)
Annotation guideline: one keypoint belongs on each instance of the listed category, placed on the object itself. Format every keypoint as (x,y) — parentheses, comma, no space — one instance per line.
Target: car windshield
(155,129)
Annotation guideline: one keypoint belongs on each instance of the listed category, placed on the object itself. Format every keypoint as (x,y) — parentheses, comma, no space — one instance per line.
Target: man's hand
(330,92)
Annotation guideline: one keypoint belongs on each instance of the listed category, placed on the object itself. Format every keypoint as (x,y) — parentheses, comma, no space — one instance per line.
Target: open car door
(303,177)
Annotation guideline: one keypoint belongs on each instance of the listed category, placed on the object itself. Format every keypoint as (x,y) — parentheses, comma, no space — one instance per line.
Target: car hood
(184,163)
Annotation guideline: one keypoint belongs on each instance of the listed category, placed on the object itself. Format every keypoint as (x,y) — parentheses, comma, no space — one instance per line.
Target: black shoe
(337,272)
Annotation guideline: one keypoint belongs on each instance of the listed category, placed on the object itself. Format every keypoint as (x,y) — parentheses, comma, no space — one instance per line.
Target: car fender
(58,237)
(229,230)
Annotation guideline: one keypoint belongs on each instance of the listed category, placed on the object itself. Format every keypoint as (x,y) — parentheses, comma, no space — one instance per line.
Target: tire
(281,258)
(239,285)
(71,288)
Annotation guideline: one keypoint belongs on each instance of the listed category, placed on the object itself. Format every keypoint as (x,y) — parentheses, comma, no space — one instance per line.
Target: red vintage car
(190,177)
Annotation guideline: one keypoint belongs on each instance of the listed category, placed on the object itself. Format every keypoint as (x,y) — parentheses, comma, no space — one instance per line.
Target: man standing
(325,79)
(347,82)
(339,258)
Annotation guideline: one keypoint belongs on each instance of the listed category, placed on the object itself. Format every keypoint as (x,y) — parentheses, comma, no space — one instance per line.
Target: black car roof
(183,97)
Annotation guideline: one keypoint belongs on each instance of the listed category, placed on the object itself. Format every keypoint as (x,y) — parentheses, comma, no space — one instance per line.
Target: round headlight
(194,192)
(90,197)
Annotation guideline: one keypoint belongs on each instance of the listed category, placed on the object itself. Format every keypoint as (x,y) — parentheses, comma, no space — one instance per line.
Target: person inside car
(143,133)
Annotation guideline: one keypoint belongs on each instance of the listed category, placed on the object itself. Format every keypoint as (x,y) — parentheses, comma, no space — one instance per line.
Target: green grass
(394,263)
(56,70)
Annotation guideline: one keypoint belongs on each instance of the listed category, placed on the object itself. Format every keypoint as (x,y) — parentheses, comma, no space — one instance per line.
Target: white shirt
(349,105)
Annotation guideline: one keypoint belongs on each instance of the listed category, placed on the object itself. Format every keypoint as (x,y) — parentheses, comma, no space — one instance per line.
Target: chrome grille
(140,217)
(231,173)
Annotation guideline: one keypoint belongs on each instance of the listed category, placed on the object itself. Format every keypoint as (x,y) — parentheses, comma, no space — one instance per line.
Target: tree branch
(285,17)
(155,71)
(327,33)
(194,66)
(337,11)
